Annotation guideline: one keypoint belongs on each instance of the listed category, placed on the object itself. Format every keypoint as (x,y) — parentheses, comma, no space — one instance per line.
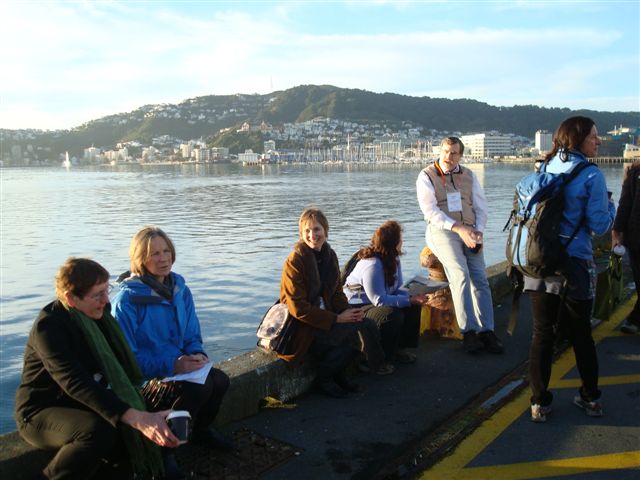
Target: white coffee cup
(619,250)
(179,422)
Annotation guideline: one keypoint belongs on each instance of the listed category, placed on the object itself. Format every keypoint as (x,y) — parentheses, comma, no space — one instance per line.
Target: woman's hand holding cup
(350,315)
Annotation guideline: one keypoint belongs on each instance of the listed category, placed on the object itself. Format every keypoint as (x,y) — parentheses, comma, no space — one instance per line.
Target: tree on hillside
(238,142)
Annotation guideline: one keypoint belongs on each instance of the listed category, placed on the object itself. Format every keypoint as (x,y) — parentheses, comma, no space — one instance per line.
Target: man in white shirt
(455,209)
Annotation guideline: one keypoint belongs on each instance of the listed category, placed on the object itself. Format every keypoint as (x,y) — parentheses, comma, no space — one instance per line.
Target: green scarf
(119,365)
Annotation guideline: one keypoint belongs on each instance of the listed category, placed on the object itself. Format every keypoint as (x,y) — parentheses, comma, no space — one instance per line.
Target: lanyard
(442,176)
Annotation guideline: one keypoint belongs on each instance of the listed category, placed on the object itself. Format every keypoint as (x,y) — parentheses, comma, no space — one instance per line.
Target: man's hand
(468,234)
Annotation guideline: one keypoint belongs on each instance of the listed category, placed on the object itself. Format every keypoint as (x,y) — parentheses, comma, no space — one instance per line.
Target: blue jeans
(467,278)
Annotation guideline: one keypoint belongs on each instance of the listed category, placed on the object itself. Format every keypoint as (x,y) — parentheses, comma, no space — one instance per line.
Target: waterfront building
(150,154)
(248,156)
(219,153)
(185,150)
(113,156)
(91,154)
(631,152)
(543,141)
(622,132)
(486,145)
(202,154)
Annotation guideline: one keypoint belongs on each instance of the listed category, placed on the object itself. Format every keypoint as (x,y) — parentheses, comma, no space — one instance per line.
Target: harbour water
(233,227)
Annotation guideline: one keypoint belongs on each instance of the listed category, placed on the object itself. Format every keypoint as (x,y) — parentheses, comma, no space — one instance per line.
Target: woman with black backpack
(569,295)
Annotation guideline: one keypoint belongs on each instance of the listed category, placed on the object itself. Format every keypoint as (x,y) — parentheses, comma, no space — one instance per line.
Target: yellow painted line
(483,436)
(547,468)
(453,466)
(617,333)
(602,381)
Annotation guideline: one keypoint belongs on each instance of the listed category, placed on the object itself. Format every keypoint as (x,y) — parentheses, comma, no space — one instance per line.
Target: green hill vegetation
(207,118)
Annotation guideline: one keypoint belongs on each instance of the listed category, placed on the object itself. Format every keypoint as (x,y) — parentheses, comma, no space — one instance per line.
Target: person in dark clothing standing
(626,231)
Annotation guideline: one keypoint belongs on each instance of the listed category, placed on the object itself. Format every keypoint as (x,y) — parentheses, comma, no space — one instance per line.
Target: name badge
(454,202)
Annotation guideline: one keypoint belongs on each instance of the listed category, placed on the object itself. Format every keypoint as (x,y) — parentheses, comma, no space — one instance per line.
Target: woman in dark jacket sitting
(79,388)
(326,328)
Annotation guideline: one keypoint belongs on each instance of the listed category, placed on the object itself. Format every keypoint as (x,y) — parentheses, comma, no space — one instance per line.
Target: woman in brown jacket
(326,328)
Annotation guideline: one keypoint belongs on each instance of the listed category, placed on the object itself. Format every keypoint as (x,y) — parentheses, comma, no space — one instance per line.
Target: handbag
(609,289)
(277,329)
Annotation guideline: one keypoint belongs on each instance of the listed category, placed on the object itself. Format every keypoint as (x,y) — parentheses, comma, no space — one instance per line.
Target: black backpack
(348,267)
(534,247)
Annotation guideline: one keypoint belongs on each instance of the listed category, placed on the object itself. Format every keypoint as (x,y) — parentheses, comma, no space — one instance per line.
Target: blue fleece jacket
(585,198)
(158,331)
(369,273)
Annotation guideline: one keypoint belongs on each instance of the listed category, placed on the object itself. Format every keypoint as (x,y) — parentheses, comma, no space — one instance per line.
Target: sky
(65,63)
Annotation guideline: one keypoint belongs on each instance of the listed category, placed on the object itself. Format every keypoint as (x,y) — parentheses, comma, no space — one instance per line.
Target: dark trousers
(634,258)
(399,327)
(203,401)
(573,318)
(81,437)
(332,351)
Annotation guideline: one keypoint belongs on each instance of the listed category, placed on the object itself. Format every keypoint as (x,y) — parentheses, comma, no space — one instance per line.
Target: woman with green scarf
(79,392)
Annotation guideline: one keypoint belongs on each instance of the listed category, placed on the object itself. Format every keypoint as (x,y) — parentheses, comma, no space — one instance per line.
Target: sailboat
(66,163)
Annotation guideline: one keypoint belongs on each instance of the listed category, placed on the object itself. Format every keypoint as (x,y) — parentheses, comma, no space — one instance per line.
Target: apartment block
(486,145)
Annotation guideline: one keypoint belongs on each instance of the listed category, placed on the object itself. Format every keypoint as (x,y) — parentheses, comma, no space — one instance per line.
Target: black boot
(211,438)
(346,384)
(172,470)
(326,386)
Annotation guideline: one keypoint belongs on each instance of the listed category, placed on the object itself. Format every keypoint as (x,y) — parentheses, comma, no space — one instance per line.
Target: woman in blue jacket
(155,309)
(375,281)
(569,296)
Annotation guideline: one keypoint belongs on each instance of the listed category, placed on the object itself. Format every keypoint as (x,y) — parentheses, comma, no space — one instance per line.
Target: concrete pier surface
(398,426)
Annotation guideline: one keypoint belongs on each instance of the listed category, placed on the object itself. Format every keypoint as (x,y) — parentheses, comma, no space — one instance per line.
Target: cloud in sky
(70,62)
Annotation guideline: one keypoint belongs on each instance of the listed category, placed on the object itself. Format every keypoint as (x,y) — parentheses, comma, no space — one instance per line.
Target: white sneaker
(539,413)
(629,327)
(385,369)
(593,409)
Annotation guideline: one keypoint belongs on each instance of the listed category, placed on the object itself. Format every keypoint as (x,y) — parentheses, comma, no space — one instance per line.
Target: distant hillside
(467,116)
(205,116)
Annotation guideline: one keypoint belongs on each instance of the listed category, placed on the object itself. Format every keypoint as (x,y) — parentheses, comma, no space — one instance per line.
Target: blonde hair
(313,215)
(141,245)
(77,276)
